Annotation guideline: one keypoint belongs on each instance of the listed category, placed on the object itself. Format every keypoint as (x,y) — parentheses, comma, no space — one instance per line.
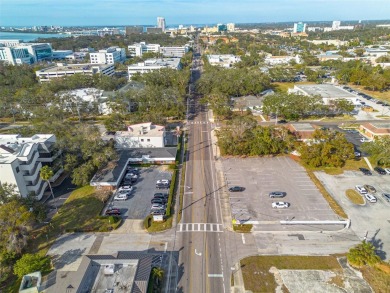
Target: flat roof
(324,90)
(142,130)
(67,67)
(381,125)
(114,171)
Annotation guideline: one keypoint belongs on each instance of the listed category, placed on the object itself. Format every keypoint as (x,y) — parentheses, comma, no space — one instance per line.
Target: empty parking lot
(137,206)
(260,176)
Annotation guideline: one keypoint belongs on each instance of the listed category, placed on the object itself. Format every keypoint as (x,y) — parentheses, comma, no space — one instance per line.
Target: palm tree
(46,173)
(363,254)
(158,274)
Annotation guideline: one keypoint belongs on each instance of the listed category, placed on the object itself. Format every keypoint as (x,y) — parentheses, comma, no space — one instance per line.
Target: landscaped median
(354,196)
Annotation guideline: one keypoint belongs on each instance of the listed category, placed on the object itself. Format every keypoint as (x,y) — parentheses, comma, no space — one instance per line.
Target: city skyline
(133,12)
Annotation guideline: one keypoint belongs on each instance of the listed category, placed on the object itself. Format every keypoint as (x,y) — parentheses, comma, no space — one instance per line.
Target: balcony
(30,164)
(49,157)
(34,173)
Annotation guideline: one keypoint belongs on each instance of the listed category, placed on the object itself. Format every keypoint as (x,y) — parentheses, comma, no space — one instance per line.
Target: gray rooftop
(324,90)
(382,125)
(114,173)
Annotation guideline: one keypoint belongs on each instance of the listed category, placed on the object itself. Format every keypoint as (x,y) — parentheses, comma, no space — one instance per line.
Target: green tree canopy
(363,254)
(30,263)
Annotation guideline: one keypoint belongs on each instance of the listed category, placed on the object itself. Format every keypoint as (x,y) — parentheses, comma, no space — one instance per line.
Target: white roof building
(63,69)
(108,56)
(153,64)
(24,53)
(142,135)
(226,60)
(21,159)
(138,49)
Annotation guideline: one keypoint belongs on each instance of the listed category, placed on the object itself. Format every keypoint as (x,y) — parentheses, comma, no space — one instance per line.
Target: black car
(161,195)
(236,189)
(158,212)
(158,200)
(365,171)
(282,121)
(113,212)
(386,196)
(380,171)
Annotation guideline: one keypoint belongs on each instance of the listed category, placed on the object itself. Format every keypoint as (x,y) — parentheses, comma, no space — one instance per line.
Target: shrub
(30,263)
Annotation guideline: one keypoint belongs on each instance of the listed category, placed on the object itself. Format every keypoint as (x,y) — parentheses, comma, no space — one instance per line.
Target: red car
(111,212)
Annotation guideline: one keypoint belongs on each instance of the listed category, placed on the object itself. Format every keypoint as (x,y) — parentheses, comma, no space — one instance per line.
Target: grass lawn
(242,228)
(80,212)
(385,96)
(160,226)
(257,278)
(378,277)
(354,197)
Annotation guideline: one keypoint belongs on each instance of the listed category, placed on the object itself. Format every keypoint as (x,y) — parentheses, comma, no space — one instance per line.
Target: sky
(133,12)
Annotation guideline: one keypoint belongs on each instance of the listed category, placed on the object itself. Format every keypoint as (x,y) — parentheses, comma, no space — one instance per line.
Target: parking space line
(181,228)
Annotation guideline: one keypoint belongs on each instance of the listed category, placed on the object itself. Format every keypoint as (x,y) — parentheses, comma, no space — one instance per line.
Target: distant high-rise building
(230,27)
(161,23)
(299,27)
(336,25)
(221,27)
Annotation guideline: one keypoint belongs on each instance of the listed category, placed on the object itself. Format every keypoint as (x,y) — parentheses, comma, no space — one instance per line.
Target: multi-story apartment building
(299,27)
(153,64)
(10,43)
(19,53)
(137,49)
(108,56)
(161,23)
(63,69)
(21,159)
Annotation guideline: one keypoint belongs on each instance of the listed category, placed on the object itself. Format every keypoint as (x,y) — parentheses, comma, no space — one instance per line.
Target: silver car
(277,194)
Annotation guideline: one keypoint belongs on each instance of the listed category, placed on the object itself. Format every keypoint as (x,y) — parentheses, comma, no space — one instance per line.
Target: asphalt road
(200,231)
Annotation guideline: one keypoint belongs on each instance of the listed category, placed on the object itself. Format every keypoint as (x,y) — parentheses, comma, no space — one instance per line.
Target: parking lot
(260,176)
(371,219)
(137,206)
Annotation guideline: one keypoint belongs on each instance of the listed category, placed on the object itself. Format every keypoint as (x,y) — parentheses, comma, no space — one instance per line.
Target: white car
(125,189)
(280,205)
(162,181)
(120,196)
(387,171)
(361,189)
(370,197)
(157,206)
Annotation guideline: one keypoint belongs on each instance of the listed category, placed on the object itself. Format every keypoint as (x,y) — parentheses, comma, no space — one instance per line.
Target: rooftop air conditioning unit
(109,269)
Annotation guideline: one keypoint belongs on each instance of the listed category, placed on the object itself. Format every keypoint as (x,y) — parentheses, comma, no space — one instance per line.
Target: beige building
(374,130)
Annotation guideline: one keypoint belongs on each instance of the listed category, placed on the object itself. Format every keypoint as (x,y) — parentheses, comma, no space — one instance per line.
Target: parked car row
(368,190)
(379,170)
(159,203)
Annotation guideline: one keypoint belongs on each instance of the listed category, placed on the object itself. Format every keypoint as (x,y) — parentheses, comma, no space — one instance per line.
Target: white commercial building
(10,43)
(142,135)
(153,64)
(226,60)
(63,69)
(138,49)
(21,159)
(327,92)
(108,56)
(276,60)
(25,53)
(174,51)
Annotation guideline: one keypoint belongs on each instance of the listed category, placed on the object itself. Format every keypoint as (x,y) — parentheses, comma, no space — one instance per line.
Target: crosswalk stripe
(200,227)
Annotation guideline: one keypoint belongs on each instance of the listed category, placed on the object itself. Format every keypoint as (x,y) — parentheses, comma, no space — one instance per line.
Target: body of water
(26,37)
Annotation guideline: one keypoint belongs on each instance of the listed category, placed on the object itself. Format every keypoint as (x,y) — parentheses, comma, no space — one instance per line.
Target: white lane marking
(198,253)
(215,276)
(166,247)
(243,238)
